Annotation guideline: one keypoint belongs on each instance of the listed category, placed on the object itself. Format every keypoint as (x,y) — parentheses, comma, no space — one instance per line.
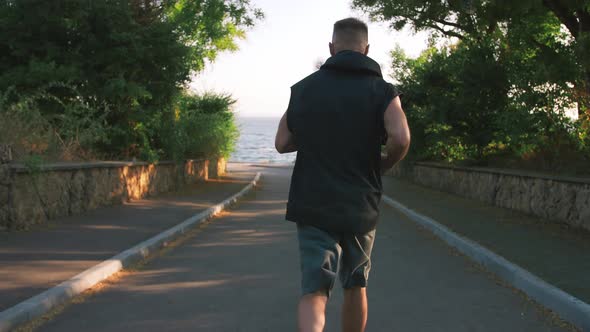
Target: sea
(256,143)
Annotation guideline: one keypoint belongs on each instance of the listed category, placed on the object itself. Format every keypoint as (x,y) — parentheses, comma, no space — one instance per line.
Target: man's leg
(319,254)
(354,310)
(354,274)
(312,312)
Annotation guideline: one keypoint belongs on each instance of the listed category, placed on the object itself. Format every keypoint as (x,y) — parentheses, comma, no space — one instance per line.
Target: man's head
(350,34)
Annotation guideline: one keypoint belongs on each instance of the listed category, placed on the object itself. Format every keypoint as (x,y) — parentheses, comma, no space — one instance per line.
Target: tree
(453,97)
(489,85)
(135,56)
(478,20)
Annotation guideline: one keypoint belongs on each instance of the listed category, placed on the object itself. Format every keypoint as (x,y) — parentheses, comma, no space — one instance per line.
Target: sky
(285,47)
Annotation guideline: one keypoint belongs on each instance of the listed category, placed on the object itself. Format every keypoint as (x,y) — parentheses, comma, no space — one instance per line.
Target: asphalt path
(241,273)
(35,260)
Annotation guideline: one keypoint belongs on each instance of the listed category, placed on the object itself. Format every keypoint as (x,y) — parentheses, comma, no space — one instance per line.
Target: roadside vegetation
(503,84)
(103,79)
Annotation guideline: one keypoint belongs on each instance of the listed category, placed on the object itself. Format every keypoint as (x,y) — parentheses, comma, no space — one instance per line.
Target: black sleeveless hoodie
(336,116)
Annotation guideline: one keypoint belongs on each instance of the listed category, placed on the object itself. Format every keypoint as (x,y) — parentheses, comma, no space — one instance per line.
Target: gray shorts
(323,255)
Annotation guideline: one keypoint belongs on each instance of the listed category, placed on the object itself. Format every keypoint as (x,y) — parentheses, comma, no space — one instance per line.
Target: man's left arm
(285,140)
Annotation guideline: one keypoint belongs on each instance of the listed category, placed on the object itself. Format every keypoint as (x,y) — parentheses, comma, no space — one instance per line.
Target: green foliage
(548,39)
(33,165)
(210,26)
(76,127)
(131,57)
(453,97)
(204,126)
(495,85)
(463,106)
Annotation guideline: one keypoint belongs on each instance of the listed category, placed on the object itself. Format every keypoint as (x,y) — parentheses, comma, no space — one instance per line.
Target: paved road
(558,254)
(34,261)
(241,274)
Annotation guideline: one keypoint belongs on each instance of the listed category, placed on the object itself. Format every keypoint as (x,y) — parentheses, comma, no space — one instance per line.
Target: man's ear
(367,50)
(332,51)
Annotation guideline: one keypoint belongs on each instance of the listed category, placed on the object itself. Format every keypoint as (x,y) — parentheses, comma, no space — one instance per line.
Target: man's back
(336,121)
(336,115)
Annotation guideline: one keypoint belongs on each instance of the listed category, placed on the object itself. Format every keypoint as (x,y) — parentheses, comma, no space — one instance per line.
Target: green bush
(491,87)
(468,103)
(204,126)
(132,57)
(72,132)
(452,96)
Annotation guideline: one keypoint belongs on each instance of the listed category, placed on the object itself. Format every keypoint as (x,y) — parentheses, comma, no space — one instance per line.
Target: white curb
(565,305)
(42,303)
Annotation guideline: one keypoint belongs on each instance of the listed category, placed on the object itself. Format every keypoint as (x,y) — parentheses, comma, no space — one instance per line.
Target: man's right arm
(398,135)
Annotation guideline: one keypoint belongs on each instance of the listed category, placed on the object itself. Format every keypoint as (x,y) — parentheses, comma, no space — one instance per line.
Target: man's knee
(315,301)
(355,291)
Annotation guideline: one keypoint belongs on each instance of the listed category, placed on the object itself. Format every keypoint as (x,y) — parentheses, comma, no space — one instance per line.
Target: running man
(337,120)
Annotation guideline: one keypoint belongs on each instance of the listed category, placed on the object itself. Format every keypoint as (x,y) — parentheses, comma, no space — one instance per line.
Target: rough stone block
(132,183)
(503,192)
(221,166)
(119,191)
(77,198)
(484,186)
(538,194)
(153,181)
(114,190)
(5,153)
(523,202)
(167,181)
(4,174)
(582,206)
(27,208)
(558,199)
(91,189)
(144,181)
(54,191)
(4,192)
(211,170)
(4,217)
(203,170)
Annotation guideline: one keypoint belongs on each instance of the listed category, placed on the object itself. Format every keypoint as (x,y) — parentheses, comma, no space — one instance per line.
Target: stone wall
(62,189)
(554,198)
(5,183)
(217,168)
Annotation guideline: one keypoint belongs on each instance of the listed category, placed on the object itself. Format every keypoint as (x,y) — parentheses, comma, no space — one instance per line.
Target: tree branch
(447,33)
(452,24)
(584,20)
(440,21)
(566,17)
